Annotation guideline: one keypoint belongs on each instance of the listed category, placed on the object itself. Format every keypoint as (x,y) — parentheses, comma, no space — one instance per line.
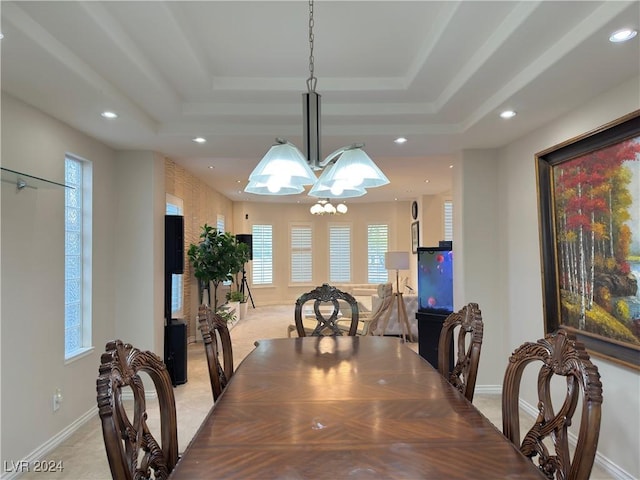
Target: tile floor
(83,453)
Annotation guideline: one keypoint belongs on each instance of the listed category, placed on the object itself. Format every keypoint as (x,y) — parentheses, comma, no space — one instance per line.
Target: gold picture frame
(588,202)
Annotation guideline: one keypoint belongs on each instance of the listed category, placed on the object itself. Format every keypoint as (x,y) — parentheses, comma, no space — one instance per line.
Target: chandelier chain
(312,80)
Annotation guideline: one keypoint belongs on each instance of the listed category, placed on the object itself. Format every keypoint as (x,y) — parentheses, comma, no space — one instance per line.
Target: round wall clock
(414,210)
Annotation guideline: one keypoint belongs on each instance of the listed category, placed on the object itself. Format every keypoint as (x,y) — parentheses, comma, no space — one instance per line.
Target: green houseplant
(215,259)
(236,296)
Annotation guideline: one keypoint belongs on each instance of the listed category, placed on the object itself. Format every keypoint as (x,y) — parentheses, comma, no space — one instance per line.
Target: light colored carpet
(83,454)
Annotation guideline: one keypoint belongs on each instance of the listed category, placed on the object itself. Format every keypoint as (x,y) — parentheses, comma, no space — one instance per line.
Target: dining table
(346,407)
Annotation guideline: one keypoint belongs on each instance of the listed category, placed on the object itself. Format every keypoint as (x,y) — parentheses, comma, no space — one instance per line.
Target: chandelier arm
(337,153)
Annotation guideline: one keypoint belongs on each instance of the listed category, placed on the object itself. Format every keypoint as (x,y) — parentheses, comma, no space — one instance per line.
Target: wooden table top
(346,408)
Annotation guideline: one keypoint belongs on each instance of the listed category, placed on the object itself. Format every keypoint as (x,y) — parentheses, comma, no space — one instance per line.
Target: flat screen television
(435,280)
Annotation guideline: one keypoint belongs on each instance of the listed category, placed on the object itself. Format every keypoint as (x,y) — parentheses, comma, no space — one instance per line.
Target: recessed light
(109,114)
(450,166)
(210,167)
(1,36)
(508,114)
(200,140)
(622,35)
(400,140)
(427,181)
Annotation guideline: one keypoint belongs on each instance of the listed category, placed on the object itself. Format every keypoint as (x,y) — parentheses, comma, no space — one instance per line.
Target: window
(448,220)
(262,271)
(77,252)
(377,245)
(174,207)
(301,257)
(340,253)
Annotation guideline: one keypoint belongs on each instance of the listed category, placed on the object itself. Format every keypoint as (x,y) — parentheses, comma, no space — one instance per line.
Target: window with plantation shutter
(340,253)
(377,245)
(262,264)
(448,220)
(301,257)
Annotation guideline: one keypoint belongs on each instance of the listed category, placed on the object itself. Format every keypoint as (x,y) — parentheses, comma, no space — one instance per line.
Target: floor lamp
(399,261)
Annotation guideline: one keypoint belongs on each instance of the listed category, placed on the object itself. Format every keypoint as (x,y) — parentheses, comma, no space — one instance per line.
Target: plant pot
(243,310)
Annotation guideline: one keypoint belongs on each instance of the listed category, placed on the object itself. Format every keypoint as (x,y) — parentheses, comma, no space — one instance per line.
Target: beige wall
(396,214)
(127,274)
(520,288)
(201,205)
(32,309)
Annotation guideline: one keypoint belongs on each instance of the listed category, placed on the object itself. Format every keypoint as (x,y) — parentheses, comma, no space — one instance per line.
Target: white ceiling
(436,72)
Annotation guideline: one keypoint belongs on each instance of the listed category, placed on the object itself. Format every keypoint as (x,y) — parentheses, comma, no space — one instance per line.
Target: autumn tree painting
(597,205)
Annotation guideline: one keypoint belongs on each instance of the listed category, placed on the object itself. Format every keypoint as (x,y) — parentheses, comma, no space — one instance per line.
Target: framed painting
(589,213)
(415,239)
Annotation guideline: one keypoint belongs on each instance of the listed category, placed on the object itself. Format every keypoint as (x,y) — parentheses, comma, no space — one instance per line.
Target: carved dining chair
(368,322)
(216,337)
(468,324)
(561,356)
(132,450)
(326,308)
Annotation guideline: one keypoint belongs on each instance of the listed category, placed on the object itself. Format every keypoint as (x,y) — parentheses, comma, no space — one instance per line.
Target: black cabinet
(175,351)
(429,328)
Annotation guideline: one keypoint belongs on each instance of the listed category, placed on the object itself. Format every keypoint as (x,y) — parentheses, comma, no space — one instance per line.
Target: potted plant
(214,259)
(238,296)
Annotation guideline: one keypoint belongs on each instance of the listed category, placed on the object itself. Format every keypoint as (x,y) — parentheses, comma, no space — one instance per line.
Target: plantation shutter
(377,245)
(340,253)
(301,258)
(262,265)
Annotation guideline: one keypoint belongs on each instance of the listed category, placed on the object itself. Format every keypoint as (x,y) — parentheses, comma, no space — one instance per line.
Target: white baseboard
(149,394)
(42,451)
(489,389)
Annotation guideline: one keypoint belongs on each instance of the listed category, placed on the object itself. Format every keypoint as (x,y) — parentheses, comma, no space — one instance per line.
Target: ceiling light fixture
(325,207)
(622,35)
(508,114)
(200,140)
(108,114)
(400,140)
(284,170)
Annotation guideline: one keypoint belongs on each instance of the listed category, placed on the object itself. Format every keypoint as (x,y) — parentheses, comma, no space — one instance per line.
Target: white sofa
(362,292)
(367,296)
(393,327)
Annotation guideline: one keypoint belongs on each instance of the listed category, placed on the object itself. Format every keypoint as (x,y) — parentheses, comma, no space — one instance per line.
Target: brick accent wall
(201,204)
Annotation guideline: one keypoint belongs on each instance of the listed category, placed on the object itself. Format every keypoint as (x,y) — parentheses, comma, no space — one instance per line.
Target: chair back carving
(468,323)
(561,355)
(325,325)
(132,450)
(216,337)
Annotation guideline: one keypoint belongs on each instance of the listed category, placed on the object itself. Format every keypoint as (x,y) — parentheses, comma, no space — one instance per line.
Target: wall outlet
(57,399)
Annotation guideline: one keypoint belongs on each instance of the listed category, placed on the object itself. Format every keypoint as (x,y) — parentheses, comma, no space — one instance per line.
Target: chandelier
(284,170)
(325,207)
